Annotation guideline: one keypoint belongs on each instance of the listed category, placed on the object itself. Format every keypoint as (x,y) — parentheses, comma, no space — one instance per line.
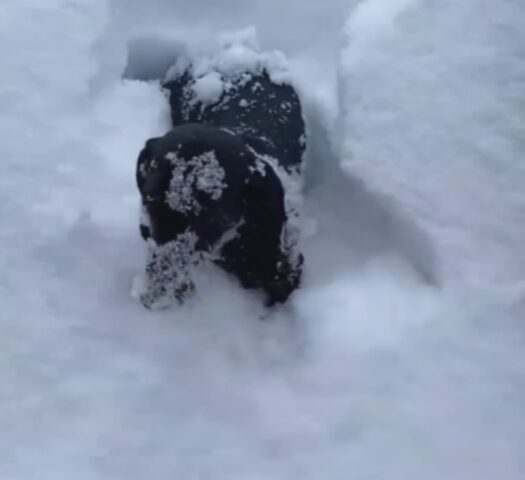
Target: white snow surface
(234,55)
(403,354)
(434,91)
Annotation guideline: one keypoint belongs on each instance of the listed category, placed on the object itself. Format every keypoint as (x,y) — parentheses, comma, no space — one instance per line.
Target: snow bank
(41,135)
(432,96)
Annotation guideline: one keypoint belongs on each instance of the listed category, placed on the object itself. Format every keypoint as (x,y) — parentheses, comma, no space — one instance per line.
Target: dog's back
(268,115)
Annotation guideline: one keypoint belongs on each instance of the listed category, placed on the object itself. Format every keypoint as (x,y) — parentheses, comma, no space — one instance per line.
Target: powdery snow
(433,105)
(231,61)
(208,88)
(373,370)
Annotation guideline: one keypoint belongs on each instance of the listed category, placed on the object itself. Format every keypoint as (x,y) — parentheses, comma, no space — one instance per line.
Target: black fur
(251,205)
(266,114)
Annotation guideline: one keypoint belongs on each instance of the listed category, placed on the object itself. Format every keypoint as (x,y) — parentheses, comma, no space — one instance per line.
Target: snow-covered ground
(403,354)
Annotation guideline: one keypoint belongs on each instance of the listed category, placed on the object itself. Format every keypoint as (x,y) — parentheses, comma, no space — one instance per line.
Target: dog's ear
(150,145)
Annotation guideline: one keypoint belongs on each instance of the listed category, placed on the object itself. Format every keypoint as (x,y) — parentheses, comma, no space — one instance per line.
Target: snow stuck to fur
(208,88)
(169,276)
(293,202)
(201,173)
(237,58)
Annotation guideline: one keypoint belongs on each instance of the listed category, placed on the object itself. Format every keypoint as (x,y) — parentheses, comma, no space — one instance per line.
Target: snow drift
(432,116)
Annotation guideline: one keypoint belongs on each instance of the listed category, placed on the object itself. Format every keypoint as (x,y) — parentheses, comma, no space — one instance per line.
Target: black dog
(212,188)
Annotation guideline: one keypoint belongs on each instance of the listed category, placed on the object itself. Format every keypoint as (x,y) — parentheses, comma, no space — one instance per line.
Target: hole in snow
(350,213)
(149,57)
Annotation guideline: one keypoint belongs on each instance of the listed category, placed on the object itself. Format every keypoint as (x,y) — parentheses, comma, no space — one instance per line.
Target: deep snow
(402,356)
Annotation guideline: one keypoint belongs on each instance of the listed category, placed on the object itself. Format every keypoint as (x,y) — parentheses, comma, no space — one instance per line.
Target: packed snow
(402,356)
